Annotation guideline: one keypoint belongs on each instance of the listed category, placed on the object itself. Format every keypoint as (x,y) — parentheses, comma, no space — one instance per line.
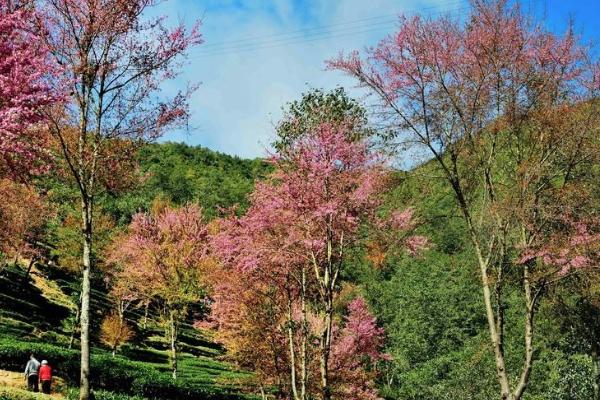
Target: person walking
(46,377)
(32,370)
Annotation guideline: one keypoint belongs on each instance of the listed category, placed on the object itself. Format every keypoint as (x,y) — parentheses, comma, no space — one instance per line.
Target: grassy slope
(34,310)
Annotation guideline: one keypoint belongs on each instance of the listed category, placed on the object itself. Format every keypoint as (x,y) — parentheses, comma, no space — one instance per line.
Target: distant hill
(192,173)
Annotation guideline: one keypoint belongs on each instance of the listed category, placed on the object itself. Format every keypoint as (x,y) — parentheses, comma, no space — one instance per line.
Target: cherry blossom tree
(294,242)
(506,110)
(356,350)
(268,275)
(250,318)
(161,259)
(114,60)
(248,314)
(310,210)
(27,77)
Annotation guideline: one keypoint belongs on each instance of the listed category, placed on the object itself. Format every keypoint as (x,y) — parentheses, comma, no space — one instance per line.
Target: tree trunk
(145,322)
(28,271)
(3,262)
(263,396)
(596,370)
(326,348)
(75,322)
(327,282)
(493,323)
(290,329)
(529,314)
(84,389)
(173,329)
(304,349)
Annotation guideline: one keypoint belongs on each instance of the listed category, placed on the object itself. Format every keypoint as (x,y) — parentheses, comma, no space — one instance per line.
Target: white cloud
(242,92)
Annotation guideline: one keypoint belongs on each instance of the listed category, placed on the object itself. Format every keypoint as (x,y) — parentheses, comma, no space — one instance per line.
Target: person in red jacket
(45,377)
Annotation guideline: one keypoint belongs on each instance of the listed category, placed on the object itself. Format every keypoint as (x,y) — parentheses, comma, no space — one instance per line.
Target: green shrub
(161,386)
(73,394)
(572,378)
(111,374)
(15,354)
(8,393)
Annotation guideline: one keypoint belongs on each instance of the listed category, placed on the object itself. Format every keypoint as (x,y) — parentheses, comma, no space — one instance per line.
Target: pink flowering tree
(505,110)
(355,353)
(114,61)
(572,248)
(250,318)
(161,260)
(27,75)
(295,240)
(329,185)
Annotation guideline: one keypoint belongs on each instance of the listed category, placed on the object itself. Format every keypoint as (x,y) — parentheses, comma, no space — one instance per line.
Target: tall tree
(329,185)
(506,110)
(114,60)
(297,235)
(316,107)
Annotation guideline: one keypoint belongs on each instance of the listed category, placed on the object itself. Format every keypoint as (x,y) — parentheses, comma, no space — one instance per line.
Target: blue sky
(260,54)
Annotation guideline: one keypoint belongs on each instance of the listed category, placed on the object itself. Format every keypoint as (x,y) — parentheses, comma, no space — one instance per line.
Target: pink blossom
(416,244)
(26,88)
(360,341)
(403,220)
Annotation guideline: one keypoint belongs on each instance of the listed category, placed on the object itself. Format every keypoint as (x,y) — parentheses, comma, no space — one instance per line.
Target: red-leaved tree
(23,216)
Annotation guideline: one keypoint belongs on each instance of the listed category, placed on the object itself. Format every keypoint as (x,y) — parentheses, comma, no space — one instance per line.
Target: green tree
(316,107)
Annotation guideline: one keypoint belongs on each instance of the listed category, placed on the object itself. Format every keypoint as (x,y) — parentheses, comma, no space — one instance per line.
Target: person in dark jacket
(31,373)
(46,377)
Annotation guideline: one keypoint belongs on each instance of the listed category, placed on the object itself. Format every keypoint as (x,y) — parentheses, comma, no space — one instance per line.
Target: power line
(301,36)
(296,41)
(302,31)
(317,28)
(325,29)
(309,35)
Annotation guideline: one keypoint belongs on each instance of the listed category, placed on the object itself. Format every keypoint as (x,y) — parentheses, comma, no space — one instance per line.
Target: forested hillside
(184,174)
(435,321)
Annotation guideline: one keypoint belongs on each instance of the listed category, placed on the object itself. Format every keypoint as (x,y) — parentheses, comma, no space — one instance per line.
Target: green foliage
(73,394)
(563,377)
(8,393)
(114,374)
(432,310)
(183,174)
(316,107)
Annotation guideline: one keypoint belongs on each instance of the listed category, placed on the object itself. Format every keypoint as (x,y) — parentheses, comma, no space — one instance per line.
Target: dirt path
(15,380)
